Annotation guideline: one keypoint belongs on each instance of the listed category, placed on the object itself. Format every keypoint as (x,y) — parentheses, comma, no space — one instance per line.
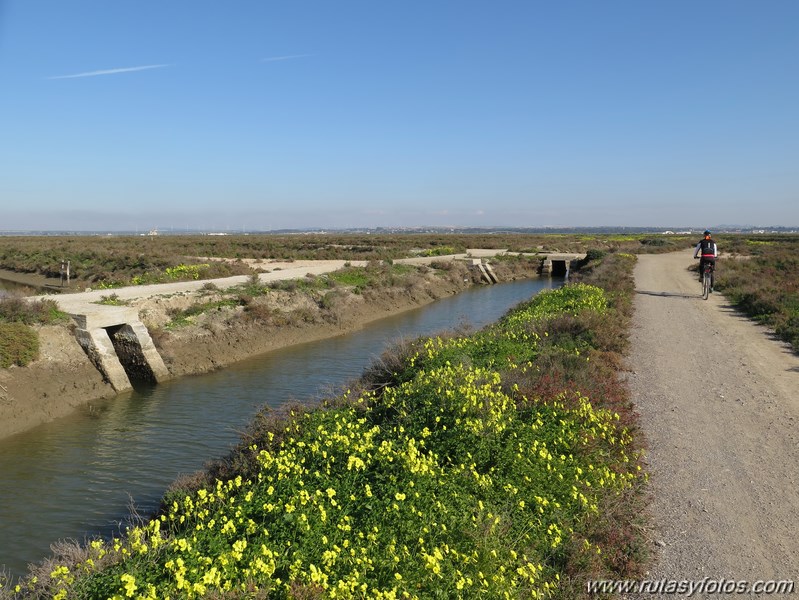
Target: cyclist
(707,251)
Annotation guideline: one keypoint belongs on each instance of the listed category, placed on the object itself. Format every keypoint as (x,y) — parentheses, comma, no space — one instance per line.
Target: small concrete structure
(490,272)
(558,263)
(119,345)
(484,269)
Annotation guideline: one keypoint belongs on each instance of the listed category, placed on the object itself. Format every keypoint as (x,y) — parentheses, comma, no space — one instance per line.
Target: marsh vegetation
(109,261)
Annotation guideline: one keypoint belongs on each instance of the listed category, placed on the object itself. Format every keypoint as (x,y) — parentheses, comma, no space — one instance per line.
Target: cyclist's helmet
(706,232)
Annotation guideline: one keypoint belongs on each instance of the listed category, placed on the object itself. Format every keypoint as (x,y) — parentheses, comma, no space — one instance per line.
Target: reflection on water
(8,287)
(77,476)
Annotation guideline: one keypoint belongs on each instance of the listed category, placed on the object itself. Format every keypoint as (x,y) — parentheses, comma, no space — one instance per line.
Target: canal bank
(12,281)
(63,378)
(77,476)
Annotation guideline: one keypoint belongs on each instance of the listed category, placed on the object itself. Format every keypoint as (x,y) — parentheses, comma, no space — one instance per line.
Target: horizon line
(643,228)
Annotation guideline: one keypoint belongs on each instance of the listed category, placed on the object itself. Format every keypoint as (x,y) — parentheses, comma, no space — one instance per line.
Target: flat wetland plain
(563,341)
(113,260)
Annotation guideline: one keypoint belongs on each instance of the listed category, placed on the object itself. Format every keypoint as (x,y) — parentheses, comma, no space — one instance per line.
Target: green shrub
(353,276)
(19,344)
(655,242)
(30,312)
(595,254)
(253,287)
(442,251)
(181,318)
(112,300)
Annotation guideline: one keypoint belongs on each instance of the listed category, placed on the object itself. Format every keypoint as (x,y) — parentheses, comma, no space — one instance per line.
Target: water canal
(7,287)
(78,476)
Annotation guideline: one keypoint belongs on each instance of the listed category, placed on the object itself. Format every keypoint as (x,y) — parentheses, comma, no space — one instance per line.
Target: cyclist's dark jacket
(707,249)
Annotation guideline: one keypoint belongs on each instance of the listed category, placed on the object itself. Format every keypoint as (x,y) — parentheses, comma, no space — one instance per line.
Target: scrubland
(109,261)
(502,463)
(762,279)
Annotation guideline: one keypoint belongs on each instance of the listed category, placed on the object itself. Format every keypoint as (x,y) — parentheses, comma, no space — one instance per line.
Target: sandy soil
(717,395)
(63,378)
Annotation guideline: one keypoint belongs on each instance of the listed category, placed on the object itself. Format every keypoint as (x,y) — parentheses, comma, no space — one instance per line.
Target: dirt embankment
(282,318)
(52,386)
(63,379)
(718,405)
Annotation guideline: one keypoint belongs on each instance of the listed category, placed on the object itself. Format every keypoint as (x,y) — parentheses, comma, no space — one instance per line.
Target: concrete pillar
(137,353)
(119,345)
(101,352)
(477,264)
(492,277)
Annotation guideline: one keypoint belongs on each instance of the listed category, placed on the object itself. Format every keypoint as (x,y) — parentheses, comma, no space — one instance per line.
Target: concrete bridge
(118,344)
(558,263)
(552,263)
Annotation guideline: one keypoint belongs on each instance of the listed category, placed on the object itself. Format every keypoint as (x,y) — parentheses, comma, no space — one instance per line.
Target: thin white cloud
(109,72)
(288,57)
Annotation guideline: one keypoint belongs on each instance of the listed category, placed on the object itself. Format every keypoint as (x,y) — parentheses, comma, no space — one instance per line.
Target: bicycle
(707,279)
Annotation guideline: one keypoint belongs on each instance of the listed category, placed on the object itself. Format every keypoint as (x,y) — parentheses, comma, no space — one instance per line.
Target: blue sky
(265,115)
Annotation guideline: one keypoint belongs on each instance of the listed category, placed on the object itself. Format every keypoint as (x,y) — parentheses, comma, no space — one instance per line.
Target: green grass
(440,251)
(112,300)
(19,344)
(181,318)
(357,278)
(375,275)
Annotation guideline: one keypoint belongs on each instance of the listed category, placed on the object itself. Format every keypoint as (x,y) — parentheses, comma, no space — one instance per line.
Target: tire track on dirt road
(717,396)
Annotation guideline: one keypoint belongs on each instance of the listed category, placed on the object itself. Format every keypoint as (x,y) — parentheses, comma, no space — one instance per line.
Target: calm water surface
(6,287)
(78,476)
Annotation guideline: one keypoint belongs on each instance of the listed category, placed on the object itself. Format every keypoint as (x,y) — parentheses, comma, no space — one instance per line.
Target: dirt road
(276,270)
(718,402)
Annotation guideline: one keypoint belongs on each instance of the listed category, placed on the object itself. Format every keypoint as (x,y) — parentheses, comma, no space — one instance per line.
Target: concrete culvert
(137,353)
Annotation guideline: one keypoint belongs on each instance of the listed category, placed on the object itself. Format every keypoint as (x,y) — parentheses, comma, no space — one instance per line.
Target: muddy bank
(63,378)
(52,386)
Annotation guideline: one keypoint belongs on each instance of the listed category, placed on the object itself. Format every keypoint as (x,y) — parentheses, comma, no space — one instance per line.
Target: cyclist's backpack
(707,248)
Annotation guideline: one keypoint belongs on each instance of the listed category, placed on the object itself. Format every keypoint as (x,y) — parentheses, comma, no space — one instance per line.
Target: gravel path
(295,270)
(276,271)
(718,402)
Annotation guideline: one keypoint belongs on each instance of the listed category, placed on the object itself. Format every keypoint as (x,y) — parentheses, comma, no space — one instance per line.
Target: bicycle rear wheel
(706,285)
